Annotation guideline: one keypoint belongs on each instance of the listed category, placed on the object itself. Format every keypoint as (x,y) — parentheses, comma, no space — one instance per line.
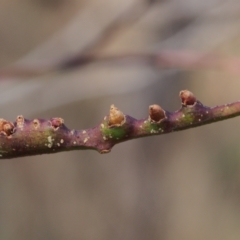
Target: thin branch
(165,59)
(125,20)
(32,137)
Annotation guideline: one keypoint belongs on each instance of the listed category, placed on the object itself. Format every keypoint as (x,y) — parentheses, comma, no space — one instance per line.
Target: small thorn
(116,117)
(187,97)
(156,113)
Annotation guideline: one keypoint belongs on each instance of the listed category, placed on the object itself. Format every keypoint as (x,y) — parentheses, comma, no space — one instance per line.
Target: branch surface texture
(38,136)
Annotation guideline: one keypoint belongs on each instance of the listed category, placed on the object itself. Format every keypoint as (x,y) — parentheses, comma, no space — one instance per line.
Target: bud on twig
(116,117)
(156,113)
(187,98)
(56,123)
(7,128)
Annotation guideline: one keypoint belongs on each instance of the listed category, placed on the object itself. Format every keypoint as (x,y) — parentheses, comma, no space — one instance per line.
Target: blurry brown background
(184,185)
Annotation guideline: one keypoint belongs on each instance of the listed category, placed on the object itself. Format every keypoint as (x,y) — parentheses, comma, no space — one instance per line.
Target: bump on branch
(39,136)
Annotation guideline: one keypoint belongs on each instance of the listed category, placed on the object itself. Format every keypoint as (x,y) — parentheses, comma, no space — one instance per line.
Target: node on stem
(187,97)
(6,127)
(156,113)
(116,117)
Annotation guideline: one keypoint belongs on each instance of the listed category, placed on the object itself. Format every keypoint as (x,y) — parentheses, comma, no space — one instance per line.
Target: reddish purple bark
(38,136)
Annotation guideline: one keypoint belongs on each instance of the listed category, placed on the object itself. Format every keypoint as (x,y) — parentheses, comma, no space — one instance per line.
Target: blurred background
(184,185)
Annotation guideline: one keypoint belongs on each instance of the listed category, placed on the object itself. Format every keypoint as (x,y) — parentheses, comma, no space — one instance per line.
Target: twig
(129,17)
(166,59)
(32,137)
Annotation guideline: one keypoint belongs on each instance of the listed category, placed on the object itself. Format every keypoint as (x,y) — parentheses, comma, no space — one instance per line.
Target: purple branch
(32,137)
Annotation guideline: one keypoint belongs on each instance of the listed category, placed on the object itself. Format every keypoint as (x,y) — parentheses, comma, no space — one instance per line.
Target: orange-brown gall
(57,122)
(7,128)
(156,113)
(116,117)
(187,98)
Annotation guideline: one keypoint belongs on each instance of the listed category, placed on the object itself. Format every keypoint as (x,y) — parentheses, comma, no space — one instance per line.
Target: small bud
(116,117)
(36,123)
(156,113)
(57,122)
(187,98)
(20,121)
(7,128)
